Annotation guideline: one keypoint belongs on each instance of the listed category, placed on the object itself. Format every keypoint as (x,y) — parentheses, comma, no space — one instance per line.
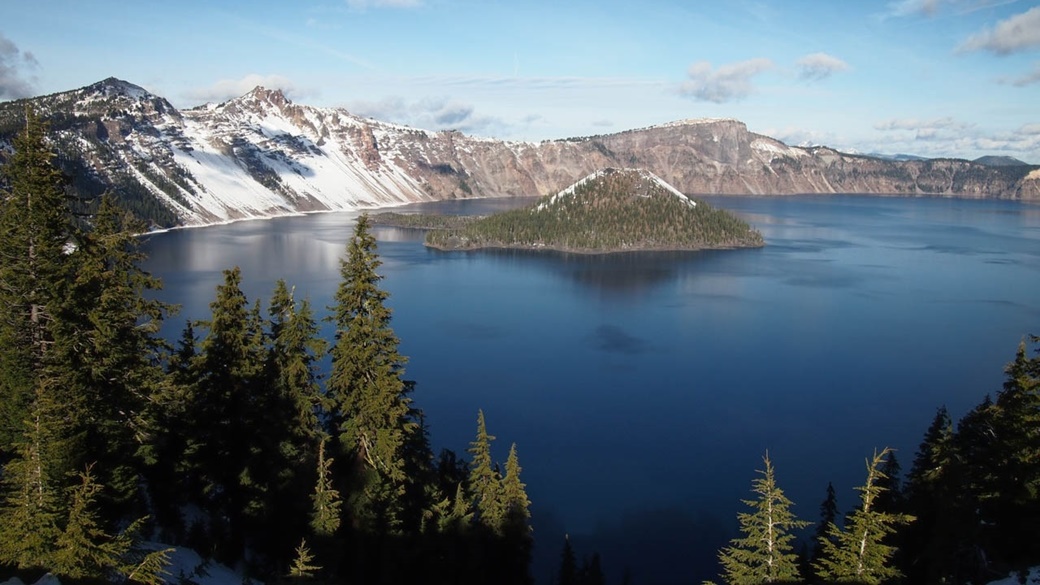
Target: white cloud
(1018,33)
(923,127)
(13,65)
(226,89)
(818,66)
(727,83)
(430,114)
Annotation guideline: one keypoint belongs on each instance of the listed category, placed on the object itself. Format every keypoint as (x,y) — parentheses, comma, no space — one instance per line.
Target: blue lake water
(642,389)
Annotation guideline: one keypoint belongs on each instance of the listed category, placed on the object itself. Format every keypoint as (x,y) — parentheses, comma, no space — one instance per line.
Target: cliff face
(262,155)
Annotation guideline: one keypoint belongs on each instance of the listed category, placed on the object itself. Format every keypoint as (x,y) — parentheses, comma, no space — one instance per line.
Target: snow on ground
(185,565)
(1033,577)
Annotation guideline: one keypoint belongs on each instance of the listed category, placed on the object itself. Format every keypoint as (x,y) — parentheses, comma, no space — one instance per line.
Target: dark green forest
(233,442)
(615,211)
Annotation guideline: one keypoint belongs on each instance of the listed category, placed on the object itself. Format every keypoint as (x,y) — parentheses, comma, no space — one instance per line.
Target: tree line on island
(614,210)
(233,442)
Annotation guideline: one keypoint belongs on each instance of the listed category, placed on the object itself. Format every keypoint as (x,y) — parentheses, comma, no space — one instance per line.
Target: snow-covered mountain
(262,155)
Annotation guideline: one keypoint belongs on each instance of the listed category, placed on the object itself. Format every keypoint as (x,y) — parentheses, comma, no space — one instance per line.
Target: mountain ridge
(263,155)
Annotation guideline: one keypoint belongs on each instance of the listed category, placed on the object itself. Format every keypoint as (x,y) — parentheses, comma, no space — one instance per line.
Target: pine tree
(516,527)
(828,516)
(369,403)
(35,228)
(932,498)
(301,569)
(32,503)
(764,554)
(568,573)
(484,483)
(221,411)
(325,517)
(858,552)
(106,351)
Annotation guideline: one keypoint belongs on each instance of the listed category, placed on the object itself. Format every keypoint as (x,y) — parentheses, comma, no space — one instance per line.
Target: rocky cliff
(262,155)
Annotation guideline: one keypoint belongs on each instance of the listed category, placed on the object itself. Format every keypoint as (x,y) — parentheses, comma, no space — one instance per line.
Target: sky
(953,78)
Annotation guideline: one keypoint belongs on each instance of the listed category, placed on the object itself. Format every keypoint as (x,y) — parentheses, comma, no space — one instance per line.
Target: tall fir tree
(485,485)
(369,406)
(516,524)
(858,553)
(931,541)
(221,410)
(326,504)
(568,573)
(765,553)
(36,227)
(106,353)
(828,516)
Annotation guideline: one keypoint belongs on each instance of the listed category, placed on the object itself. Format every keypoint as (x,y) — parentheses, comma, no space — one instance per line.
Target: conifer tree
(32,503)
(106,351)
(484,483)
(764,554)
(369,402)
(858,552)
(35,228)
(302,569)
(516,527)
(325,517)
(222,410)
(828,516)
(568,574)
(931,540)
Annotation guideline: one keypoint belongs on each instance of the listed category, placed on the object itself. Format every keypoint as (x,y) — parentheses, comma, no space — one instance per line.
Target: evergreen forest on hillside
(613,211)
(232,442)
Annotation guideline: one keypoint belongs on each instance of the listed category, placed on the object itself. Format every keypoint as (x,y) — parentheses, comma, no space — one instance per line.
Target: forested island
(613,210)
(234,443)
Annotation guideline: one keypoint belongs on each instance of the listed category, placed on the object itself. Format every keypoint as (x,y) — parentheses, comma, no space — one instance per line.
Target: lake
(642,389)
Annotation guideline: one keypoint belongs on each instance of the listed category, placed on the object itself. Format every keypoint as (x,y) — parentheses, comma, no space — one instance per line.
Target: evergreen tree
(222,410)
(301,569)
(568,574)
(35,228)
(931,541)
(516,527)
(106,352)
(858,552)
(828,516)
(764,554)
(325,517)
(484,483)
(369,403)
(32,496)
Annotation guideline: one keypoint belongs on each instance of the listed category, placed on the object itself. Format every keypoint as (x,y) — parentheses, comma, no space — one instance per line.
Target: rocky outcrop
(261,155)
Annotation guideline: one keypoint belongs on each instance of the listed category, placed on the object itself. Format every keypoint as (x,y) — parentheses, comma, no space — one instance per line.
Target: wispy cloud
(366,4)
(1024,80)
(1018,33)
(934,129)
(14,81)
(429,113)
(727,83)
(226,89)
(908,7)
(817,66)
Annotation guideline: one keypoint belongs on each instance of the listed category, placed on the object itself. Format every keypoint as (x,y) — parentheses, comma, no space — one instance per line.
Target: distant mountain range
(261,155)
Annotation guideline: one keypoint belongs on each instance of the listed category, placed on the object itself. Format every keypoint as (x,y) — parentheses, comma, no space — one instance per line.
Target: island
(611,210)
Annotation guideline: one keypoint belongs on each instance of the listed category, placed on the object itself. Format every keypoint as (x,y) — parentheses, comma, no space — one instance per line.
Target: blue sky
(929,77)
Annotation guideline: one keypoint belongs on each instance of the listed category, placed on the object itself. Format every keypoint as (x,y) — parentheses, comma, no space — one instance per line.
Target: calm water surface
(643,389)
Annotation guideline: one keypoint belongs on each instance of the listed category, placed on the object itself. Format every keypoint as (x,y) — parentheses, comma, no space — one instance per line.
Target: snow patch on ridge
(604,172)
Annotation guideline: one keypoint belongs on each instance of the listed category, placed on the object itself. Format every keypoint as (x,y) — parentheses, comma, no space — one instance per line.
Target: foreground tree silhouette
(764,554)
(859,552)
